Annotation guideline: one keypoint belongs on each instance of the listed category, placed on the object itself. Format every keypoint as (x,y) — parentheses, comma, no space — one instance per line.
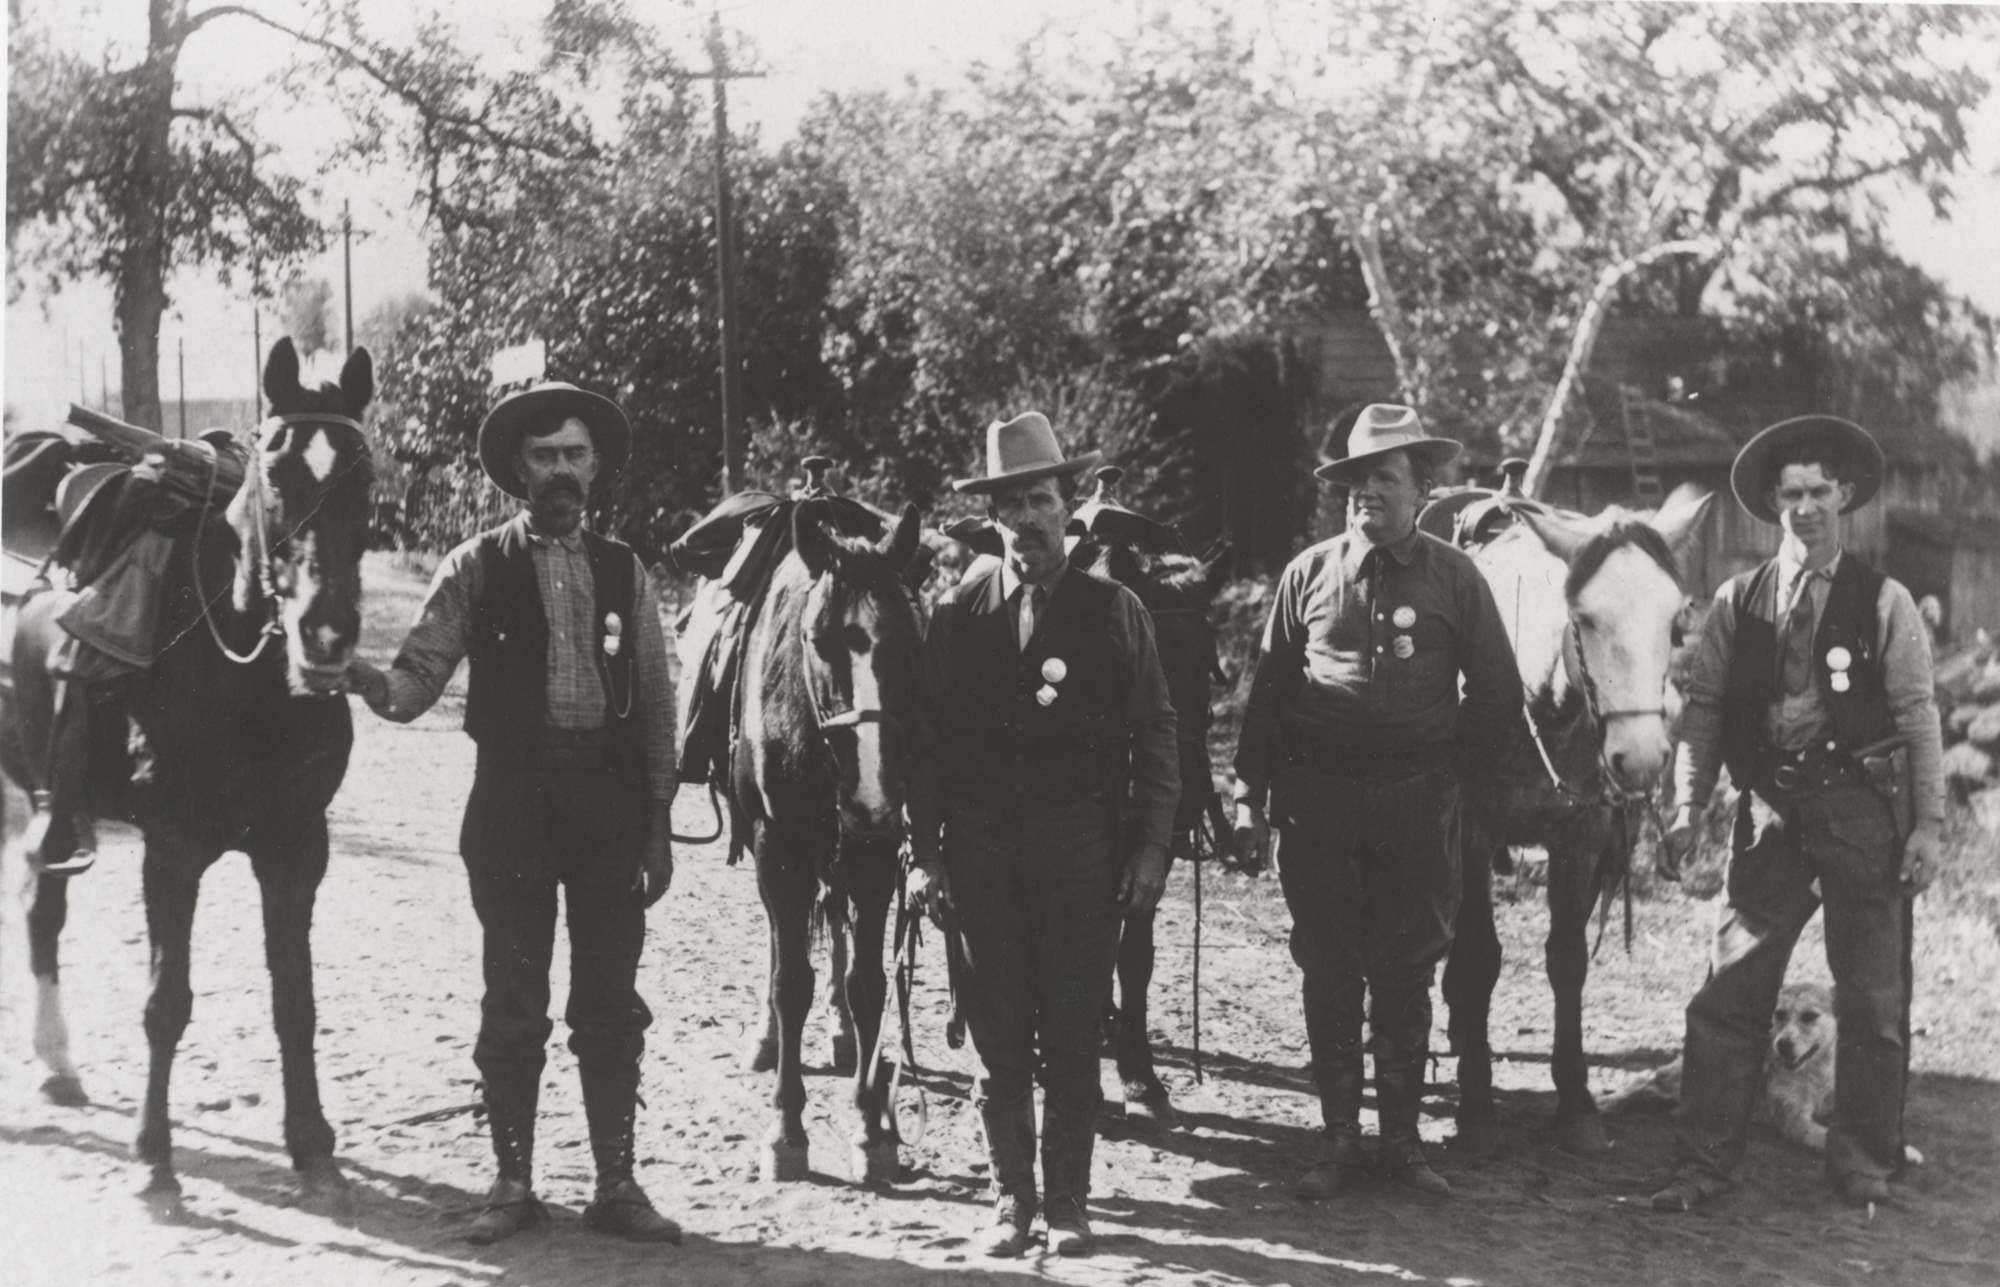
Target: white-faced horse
(1592,607)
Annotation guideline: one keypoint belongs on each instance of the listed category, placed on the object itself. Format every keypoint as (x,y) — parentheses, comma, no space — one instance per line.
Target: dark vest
(1003,747)
(1860,714)
(506,700)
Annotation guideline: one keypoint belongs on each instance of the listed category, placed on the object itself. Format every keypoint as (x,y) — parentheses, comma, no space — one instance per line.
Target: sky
(62,347)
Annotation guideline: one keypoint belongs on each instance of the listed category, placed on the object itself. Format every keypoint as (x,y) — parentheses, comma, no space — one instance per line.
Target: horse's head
(862,646)
(1625,599)
(301,516)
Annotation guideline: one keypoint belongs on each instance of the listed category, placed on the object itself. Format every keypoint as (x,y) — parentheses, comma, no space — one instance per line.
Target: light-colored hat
(546,406)
(1848,451)
(1020,451)
(1383,427)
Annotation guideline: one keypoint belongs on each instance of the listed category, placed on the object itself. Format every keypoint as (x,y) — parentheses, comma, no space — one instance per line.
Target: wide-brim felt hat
(1383,427)
(545,406)
(1854,457)
(1023,450)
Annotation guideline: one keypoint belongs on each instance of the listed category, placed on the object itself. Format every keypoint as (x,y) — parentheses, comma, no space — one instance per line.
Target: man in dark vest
(570,704)
(1357,735)
(1812,682)
(1052,775)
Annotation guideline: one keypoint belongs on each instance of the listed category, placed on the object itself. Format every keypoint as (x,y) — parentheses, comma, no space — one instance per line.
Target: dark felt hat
(544,407)
(1845,448)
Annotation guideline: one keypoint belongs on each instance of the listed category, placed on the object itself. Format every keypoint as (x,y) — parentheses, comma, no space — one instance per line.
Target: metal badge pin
(612,627)
(1839,658)
(1045,695)
(1055,669)
(1404,617)
(1406,647)
(1841,683)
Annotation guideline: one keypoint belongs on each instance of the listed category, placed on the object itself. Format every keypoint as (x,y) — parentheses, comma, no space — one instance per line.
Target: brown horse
(823,700)
(240,741)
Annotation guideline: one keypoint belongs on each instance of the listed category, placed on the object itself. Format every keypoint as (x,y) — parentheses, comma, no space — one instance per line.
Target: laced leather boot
(1399,1074)
(1010,1146)
(511,1205)
(620,1207)
(1069,1138)
(1341,1163)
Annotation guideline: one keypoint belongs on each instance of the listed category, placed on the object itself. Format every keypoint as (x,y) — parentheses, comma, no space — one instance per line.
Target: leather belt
(1814,769)
(1350,762)
(557,750)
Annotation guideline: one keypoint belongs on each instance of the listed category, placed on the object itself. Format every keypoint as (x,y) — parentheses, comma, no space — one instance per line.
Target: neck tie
(1030,612)
(1797,654)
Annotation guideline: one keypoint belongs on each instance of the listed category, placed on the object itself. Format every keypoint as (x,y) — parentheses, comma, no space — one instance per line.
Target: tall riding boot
(1341,1163)
(1010,1147)
(61,839)
(1069,1140)
(1399,1088)
(510,1204)
(620,1207)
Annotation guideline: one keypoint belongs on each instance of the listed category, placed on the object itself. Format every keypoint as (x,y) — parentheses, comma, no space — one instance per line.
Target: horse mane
(1623,531)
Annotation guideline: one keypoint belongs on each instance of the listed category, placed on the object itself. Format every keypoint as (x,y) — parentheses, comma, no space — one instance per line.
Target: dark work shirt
(1363,650)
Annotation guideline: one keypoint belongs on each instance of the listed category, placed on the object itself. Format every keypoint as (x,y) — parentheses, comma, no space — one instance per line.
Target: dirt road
(398,980)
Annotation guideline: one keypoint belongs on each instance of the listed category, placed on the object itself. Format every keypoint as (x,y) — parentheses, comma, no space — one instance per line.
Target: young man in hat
(1355,733)
(1812,682)
(570,704)
(1040,809)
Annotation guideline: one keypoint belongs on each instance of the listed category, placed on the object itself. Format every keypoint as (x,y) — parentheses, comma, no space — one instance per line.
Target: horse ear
(809,537)
(1681,517)
(903,542)
(357,380)
(1560,536)
(281,374)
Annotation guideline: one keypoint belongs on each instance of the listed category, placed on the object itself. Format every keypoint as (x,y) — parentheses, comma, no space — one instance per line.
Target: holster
(1886,765)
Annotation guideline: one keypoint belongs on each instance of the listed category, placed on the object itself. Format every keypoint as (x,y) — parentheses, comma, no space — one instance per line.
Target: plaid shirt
(442,632)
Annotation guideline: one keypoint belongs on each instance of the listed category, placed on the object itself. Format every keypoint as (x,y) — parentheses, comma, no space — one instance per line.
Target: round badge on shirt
(1045,695)
(1054,669)
(1404,617)
(1839,681)
(1406,647)
(1839,658)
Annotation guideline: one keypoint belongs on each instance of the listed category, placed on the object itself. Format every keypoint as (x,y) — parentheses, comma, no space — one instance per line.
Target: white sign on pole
(519,364)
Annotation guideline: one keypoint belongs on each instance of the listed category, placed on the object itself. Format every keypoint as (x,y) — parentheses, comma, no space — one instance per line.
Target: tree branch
(1585,341)
(478,126)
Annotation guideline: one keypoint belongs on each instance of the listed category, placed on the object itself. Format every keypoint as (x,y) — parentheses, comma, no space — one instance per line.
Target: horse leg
(288,877)
(864,988)
(1573,861)
(1469,979)
(47,913)
(785,882)
(1146,1100)
(171,878)
(846,1043)
(760,1053)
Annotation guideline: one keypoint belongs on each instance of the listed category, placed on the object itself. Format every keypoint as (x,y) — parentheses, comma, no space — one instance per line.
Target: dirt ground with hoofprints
(397,958)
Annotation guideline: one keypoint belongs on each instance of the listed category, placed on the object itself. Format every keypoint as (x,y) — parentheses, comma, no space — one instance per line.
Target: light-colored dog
(1797,1097)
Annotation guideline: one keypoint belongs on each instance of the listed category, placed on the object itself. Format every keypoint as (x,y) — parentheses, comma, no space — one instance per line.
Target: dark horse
(823,701)
(239,740)
(1177,590)
(1592,607)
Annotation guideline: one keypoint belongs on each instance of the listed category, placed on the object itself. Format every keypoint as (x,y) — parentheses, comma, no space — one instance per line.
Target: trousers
(1843,836)
(527,832)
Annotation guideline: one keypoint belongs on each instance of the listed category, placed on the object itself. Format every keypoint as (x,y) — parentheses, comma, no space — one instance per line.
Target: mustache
(559,486)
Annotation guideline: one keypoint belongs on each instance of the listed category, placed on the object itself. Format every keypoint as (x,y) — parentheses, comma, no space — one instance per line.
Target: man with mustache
(1812,682)
(1040,810)
(570,704)
(1356,734)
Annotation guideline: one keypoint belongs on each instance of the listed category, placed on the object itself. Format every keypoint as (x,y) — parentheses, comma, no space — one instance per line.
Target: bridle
(259,548)
(833,710)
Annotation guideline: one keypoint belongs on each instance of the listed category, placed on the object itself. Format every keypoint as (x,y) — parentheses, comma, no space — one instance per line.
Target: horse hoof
(64,1091)
(1583,1136)
(162,1197)
(321,1182)
(760,1056)
(1478,1135)
(846,1055)
(878,1163)
(786,1163)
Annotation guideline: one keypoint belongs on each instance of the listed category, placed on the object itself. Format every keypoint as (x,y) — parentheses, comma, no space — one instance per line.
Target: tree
(122,173)
(305,312)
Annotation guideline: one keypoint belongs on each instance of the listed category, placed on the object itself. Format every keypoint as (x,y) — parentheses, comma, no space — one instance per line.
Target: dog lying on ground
(1797,1097)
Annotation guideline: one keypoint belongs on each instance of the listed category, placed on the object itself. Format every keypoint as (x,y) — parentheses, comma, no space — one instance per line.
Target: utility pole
(181,353)
(725,256)
(347,271)
(257,359)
